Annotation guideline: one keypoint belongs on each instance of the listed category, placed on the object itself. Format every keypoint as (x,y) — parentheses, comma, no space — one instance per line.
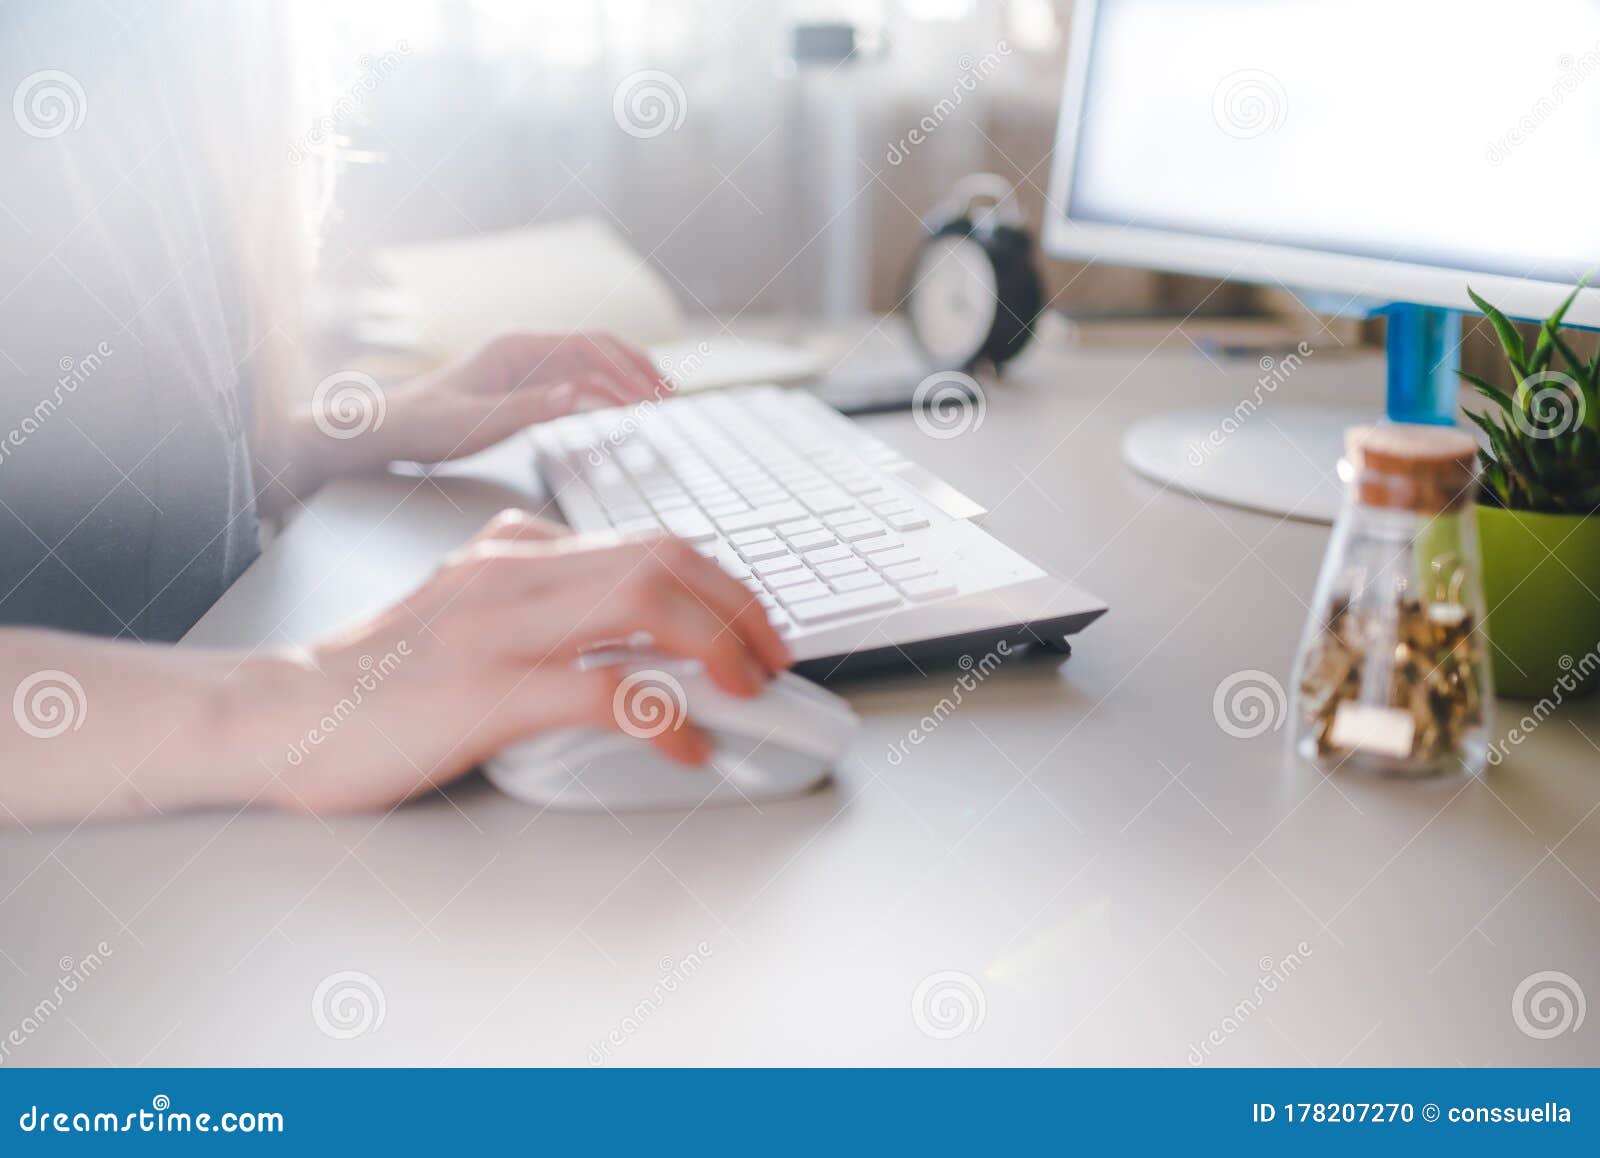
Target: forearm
(298,454)
(109,730)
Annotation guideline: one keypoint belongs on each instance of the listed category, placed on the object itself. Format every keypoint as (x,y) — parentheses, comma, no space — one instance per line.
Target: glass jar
(1392,675)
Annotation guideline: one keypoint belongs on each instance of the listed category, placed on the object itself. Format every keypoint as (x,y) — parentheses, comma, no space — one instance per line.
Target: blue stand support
(1424,349)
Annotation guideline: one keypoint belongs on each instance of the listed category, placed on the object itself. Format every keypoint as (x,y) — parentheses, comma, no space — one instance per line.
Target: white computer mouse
(782,743)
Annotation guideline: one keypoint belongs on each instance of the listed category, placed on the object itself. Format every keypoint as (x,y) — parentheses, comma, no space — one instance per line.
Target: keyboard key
(755,536)
(856,532)
(820,555)
(851,514)
(798,527)
(840,567)
(638,526)
(928,587)
(860,581)
(902,571)
(811,540)
(839,606)
(893,507)
(787,579)
(760,517)
(690,525)
(777,563)
(766,549)
(908,522)
(791,597)
(877,544)
(823,501)
(893,557)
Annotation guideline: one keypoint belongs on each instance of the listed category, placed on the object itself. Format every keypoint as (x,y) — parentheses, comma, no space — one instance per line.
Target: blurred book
(576,274)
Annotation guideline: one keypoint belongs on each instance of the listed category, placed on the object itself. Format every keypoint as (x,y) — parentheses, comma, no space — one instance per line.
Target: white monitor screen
(1461,134)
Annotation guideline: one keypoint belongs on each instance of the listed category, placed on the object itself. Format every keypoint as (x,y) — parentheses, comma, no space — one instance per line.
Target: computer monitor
(1388,152)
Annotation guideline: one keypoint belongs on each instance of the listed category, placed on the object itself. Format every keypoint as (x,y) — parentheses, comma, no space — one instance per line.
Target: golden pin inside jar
(1391,672)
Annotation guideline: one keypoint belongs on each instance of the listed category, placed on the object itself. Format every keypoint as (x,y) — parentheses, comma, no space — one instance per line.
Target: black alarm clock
(974,292)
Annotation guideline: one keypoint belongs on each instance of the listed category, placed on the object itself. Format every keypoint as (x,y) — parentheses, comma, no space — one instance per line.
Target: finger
(586,392)
(687,744)
(573,592)
(726,598)
(606,389)
(544,403)
(514,525)
(661,558)
(597,608)
(633,364)
(597,698)
(561,697)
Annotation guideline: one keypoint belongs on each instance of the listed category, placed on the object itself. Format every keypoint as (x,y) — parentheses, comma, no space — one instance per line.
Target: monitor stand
(1266,454)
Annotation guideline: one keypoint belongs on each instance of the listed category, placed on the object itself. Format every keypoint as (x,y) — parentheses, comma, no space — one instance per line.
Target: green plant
(1544,436)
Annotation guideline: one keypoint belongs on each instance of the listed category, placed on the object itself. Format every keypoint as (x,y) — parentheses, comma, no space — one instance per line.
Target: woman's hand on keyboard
(483,655)
(512,383)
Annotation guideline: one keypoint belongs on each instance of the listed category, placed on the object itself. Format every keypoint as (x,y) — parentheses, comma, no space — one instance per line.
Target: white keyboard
(823,522)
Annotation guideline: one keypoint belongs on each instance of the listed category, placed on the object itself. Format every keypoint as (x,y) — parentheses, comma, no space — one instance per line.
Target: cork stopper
(1409,467)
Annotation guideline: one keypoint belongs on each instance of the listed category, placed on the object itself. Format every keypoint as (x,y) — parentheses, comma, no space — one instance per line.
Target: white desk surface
(1081,839)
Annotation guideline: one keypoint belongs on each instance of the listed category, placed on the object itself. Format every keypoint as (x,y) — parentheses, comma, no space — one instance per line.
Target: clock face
(954,299)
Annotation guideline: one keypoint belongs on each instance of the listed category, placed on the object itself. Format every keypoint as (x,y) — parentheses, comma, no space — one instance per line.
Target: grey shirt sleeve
(126,503)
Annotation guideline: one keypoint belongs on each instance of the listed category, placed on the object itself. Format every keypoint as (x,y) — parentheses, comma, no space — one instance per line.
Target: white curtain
(753,184)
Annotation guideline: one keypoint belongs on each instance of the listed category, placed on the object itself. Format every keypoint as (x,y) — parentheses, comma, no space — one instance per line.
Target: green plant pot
(1539,575)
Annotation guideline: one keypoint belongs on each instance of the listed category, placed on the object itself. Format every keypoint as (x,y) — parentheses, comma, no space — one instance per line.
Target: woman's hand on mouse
(483,655)
(511,383)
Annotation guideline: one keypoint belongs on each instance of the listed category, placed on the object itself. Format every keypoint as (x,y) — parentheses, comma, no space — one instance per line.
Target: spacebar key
(760,517)
(838,606)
